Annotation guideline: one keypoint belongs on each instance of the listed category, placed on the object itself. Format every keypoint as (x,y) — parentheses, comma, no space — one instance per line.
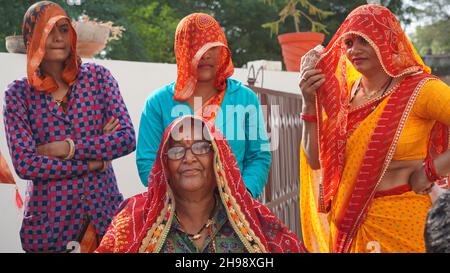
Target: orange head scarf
(381,29)
(38,22)
(196,34)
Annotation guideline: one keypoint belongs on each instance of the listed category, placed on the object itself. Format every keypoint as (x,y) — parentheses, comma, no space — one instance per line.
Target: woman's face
(207,67)
(361,54)
(191,172)
(57,46)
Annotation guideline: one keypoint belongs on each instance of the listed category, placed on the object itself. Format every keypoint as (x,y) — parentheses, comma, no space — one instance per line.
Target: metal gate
(281,194)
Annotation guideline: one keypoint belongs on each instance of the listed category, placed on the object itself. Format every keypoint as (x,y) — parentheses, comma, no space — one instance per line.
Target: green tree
(147,24)
(432,36)
(241,21)
(11,13)
(150,24)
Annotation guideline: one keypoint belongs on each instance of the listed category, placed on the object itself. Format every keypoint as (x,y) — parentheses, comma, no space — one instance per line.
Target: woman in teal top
(203,87)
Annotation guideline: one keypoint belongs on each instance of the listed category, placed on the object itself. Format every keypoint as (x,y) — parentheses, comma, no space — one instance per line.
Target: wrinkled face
(208,65)
(57,46)
(190,169)
(361,54)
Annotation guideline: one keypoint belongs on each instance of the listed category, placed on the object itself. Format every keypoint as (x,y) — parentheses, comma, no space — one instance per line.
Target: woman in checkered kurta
(60,145)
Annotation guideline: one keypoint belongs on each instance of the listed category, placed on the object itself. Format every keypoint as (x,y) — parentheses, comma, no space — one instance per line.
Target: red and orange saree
(356,147)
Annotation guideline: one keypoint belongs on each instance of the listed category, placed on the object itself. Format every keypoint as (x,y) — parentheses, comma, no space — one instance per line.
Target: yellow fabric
(315,229)
(394,224)
(433,103)
(317,232)
(356,148)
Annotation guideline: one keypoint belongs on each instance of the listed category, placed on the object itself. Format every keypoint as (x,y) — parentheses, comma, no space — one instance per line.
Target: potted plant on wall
(93,36)
(295,45)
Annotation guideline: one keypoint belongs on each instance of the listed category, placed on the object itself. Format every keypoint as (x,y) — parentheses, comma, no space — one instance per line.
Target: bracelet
(430,171)
(308,118)
(104,166)
(71,153)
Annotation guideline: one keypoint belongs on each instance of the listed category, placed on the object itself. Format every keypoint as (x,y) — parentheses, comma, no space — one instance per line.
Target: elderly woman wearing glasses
(196,202)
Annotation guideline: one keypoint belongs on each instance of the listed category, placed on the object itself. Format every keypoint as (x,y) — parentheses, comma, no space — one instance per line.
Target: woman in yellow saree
(375,139)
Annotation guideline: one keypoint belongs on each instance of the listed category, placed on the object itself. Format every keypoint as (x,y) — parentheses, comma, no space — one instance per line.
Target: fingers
(306,74)
(111,126)
(310,81)
(318,83)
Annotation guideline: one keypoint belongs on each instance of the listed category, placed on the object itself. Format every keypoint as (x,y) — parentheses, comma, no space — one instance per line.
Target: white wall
(136,80)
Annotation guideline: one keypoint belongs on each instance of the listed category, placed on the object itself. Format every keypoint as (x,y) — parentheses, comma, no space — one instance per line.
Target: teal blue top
(240,120)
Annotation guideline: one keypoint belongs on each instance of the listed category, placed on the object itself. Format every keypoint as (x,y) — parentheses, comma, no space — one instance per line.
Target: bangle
(430,171)
(71,149)
(104,166)
(308,118)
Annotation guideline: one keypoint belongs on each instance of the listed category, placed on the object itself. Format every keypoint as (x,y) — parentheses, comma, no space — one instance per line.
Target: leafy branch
(307,11)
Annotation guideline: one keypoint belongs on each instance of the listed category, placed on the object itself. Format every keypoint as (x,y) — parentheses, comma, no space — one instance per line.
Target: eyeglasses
(198,148)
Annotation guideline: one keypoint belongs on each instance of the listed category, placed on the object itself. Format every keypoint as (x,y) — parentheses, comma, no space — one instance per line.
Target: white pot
(15,44)
(92,38)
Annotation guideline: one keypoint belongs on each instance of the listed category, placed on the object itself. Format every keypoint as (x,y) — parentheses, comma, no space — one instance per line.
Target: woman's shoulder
(243,94)
(18,88)
(433,89)
(93,67)
(163,94)
(433,99)
(90,69)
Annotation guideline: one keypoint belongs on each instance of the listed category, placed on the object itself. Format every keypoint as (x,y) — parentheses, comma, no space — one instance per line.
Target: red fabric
(394,191)
(308,118)
(144,210)
(195,34)
(38,22)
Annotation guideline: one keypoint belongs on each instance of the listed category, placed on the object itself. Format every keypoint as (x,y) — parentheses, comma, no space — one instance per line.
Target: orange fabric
(38,22)
(315,226)
(6,176)
(394,224)
(90,240)
(210,108)
(196,34)
(356,147)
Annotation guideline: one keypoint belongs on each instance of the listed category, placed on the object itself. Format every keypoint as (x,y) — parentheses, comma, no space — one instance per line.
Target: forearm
(310,137)
(442,163)
(33,166)
(105,147)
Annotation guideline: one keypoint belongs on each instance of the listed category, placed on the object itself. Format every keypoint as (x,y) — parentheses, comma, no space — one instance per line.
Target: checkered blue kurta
(62,191)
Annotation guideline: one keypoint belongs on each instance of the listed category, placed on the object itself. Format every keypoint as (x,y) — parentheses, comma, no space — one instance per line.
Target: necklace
(208,223)
(64,99)
(384,87)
